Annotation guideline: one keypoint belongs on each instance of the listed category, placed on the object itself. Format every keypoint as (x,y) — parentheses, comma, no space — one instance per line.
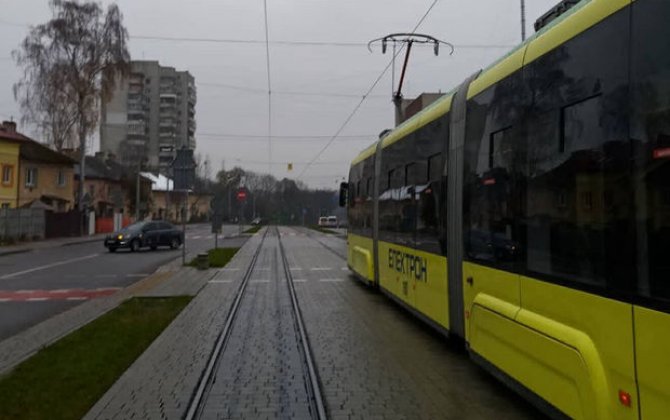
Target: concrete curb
(15,251)
(36,246)
(83,241)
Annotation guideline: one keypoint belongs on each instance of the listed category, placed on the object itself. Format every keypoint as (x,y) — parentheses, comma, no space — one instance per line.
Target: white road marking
(220,281)
(39,299)
(44,267)
(331,280)
(4,300)
(259,281)
(77,298)
(299,280)
(345,268)
(320,268)
(60,290)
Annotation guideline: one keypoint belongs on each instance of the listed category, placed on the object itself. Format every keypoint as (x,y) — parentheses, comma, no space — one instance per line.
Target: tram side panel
(650,135)
(547,221)
(359,237)
(412,260)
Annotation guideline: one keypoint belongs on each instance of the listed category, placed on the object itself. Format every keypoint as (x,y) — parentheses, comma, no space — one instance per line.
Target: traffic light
(290,166)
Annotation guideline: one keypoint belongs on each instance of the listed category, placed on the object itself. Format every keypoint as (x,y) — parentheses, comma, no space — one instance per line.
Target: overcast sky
(315,87)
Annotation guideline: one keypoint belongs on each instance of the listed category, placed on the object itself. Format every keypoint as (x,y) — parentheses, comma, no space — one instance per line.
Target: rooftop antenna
(407,39)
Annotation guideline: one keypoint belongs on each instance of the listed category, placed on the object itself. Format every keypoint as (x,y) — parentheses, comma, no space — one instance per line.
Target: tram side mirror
(344,190)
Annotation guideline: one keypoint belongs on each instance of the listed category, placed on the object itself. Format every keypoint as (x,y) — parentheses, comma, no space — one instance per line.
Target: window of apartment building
(31,177)
(60,178)
(7,174)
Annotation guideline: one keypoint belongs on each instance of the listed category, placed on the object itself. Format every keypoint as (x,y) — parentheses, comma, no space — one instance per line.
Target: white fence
(22,223)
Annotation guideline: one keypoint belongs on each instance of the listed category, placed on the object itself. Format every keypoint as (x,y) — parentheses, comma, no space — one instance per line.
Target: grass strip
(253,229)
(322,230)
(218,257)
(65,379)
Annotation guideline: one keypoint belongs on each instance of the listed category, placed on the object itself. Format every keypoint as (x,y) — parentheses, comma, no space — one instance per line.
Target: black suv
(145,234)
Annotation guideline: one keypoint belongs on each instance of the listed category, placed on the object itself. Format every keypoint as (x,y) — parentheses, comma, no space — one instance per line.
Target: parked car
(145,234)
(323,221)
(257,221)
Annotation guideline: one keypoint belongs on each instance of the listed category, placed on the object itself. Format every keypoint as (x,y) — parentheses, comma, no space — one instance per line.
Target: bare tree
(70,64)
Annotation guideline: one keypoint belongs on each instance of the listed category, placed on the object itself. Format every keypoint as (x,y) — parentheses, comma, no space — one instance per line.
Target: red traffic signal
(241,194)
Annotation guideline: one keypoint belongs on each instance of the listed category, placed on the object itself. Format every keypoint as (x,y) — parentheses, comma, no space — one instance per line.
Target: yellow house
(9,167)
(35,176)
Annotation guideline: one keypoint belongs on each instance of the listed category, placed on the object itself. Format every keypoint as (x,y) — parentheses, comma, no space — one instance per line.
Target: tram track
(245,336)
(328,247)
(314,388)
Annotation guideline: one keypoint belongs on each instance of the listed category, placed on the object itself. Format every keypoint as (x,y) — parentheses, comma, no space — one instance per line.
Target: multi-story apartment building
(150,115)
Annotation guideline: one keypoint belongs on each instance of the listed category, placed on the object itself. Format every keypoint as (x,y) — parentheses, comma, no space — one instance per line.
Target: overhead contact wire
(360,103)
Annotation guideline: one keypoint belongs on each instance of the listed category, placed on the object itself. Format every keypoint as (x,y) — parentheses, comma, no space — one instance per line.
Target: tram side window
(494,204)
(427,193)
(353,214)
(389,220)
(578,219)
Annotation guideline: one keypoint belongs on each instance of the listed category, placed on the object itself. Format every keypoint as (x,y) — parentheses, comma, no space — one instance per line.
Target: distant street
(42,283)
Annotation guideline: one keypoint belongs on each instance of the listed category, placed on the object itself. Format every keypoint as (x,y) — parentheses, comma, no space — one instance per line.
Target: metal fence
(60,225)
(22,224)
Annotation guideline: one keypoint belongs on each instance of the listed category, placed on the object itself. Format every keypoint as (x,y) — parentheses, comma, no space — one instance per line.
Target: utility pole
(523,20)
(183,227)
(82,181)
(137,194)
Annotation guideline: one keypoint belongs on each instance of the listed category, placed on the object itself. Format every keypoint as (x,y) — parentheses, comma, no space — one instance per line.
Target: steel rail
(317,406)
(196,404)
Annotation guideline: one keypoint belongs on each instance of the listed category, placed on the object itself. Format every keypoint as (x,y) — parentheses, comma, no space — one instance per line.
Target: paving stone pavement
(375,360)
(260,374)
(159,384)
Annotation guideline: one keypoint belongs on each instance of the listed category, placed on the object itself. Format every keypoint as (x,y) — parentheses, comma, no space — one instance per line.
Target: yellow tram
(528,213)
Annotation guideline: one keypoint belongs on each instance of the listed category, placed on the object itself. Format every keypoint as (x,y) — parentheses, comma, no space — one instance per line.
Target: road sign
(217,223)
(241,195)
(183,167)
(216,210)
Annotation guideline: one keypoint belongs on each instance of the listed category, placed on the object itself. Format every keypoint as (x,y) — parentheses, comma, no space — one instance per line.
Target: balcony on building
(136,141)
(167,123)
(137,101)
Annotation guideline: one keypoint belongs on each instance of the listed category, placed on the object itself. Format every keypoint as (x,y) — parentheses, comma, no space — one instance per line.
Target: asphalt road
(37,285)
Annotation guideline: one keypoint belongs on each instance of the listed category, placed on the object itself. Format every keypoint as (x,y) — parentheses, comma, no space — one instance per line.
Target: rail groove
(196,404)
(318,408)
(312,386)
